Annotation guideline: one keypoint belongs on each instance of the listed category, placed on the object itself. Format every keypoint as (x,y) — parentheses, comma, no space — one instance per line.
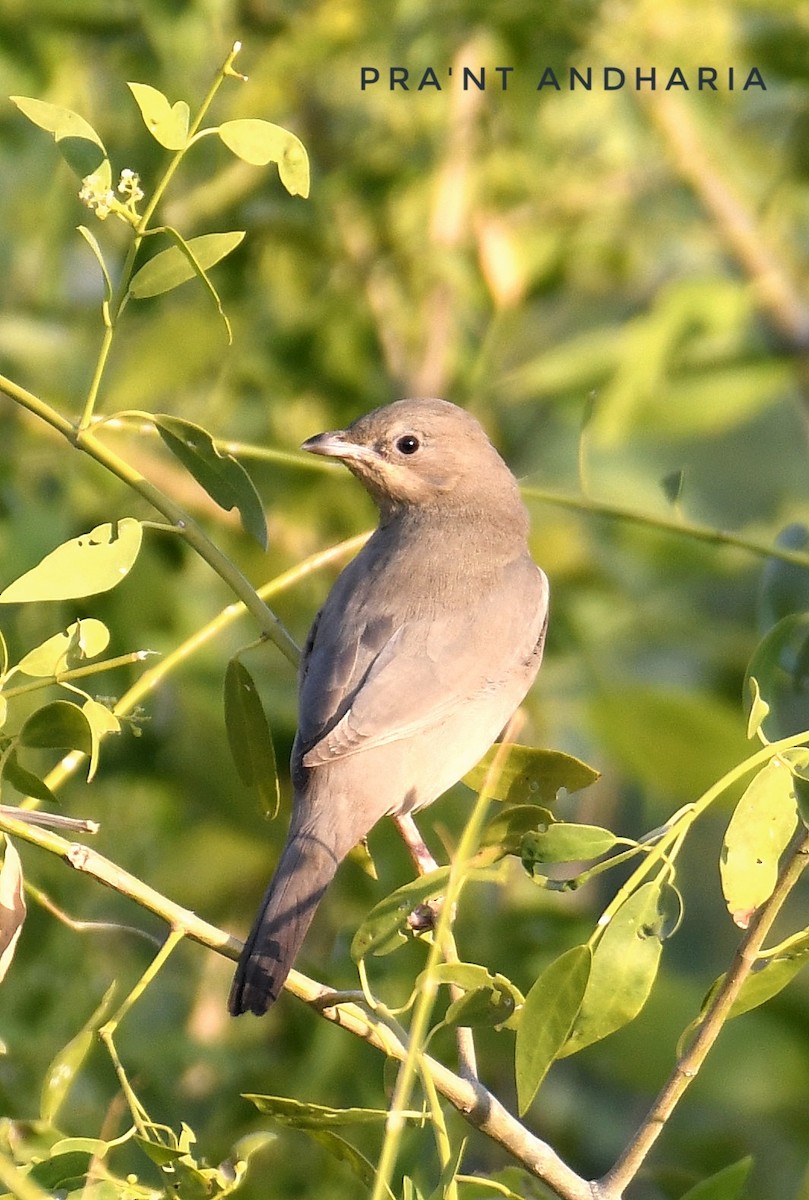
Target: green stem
(700,533)
(414,1059)
(122,660)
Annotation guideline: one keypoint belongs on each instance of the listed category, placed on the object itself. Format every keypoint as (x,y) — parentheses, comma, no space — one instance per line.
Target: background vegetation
(539,257)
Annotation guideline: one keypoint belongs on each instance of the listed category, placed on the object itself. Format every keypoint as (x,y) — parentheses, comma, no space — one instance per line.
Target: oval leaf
(488,999)
(261,142)
(625,963)
(68,1062)
(386,926)
(759,831)
(780,667)
(223,478)
(301,1115)
(170,268)
(551,1007)
(59,725)
(505,831)
(250,738)
(84,566)
(78,142)
(166,122)
(12,905)
(771,976)
(532,775)
(82,640)
(564,843)
(727,1184)
(26,783)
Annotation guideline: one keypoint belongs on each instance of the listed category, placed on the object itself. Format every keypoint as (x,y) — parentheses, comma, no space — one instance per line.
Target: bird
(424,649)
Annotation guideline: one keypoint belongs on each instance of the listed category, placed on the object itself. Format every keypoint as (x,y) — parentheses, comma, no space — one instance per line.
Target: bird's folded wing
(428,667)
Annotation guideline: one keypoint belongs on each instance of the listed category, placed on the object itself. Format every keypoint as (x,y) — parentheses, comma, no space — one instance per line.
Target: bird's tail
(304,871)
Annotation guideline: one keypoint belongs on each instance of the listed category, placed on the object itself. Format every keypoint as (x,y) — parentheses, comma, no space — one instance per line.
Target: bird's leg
(422,919)
(419,852)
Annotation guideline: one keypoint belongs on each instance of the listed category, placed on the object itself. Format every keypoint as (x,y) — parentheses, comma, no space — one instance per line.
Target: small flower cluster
(102,200)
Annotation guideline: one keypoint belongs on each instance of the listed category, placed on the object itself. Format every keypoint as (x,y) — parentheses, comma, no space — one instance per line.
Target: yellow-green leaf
(169,268)
(68,1062)
(167,123)
(530,774)
(92,563)
(82,640)
(756,837)
(261,142)
(101,722)
(78,142)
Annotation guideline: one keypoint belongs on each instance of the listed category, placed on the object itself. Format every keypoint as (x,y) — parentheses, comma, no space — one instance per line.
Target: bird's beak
(337,444)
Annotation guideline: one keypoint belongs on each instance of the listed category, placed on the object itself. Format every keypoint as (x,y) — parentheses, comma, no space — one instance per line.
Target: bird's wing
(429,666)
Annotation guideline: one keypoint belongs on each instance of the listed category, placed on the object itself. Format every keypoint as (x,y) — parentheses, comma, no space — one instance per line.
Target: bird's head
(421,453)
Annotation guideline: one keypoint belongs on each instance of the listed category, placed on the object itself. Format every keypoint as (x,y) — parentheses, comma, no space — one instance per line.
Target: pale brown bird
(424,648)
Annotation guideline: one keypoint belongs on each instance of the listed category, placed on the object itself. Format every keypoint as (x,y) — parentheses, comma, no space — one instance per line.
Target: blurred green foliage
(528,254)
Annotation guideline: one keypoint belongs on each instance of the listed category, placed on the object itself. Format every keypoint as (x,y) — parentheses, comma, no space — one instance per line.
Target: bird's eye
(408,444)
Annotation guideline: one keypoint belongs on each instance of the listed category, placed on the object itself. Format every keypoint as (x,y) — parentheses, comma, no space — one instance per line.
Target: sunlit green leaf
(530,774)
(301,1115)
(167,123)
(757,835)
(92,563)
(561,842)
(625,963)
(83,639)
(727,1184)
(102,722)
(59,725)
(504,833)
(78,142)
(169,268)
(759,708)
(250,738)
(261,142)
(551,1008)
(223,478)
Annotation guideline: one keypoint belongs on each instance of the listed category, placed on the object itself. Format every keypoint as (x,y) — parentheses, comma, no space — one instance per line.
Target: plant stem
(615,1182)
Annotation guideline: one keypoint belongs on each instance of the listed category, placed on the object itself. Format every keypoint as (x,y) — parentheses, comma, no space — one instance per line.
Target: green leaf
(25,782)
(488,999)
(727,1184)
(82,640)
(780,666)
(343,1151)
(166,122)
(759,708)
(92,563)
(92,242)
(170,268)
(768,977)
(223,478)
(261,142)
(384,929)
(757,835)
(551,1008)
(530,774)
(504,833)
(3,654)
(79,144)
(250,738)
(64,1068)
(784,588)
(59,725)
(102,722)
(625,963)
(561,842)
(301,1115)
(65,1172)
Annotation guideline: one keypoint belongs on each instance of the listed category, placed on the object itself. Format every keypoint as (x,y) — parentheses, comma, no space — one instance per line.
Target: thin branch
(615,1182)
